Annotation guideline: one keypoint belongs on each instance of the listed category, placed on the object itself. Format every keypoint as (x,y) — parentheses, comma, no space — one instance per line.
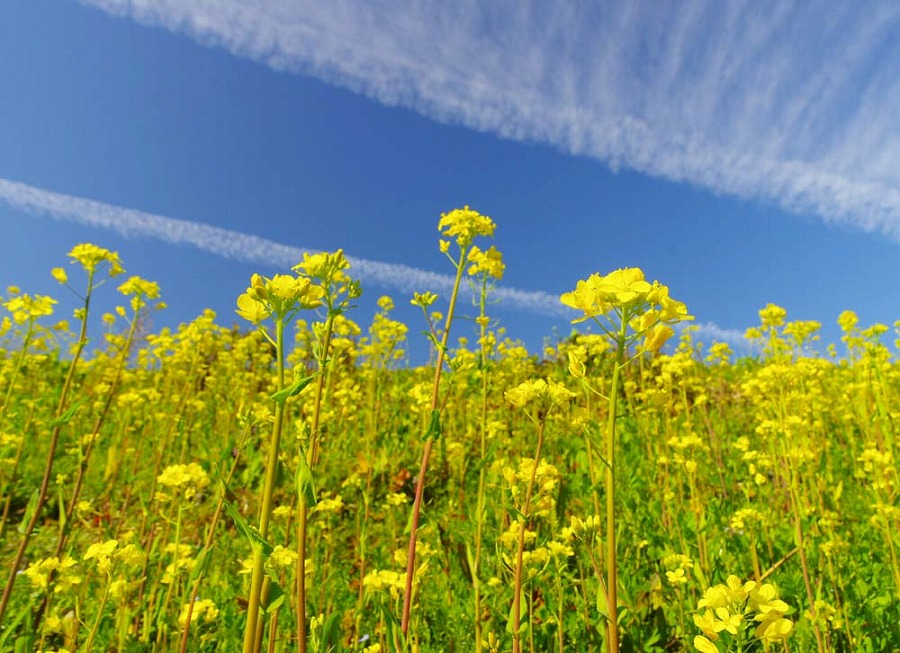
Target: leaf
(275,597)
(303,481)
(700,576)
(67,416)
(330,633)
(293,389)
(434,426)
(256,540)
(523,624)
(603,604)
(30,509)
(24,644)
(201,564)
(488,456)
(395,631)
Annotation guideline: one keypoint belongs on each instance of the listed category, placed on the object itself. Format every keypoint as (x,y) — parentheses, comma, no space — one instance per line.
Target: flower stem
(265,511)
(426,452)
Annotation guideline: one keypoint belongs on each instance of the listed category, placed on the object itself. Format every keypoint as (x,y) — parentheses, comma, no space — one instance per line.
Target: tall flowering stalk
(339,290)
(487,267)
(279,298)
(463,225)
(26,310)
(626,308)
(90,257)
(537,398)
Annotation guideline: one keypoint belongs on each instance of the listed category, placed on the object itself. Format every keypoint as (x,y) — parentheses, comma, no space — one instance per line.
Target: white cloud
(791,104)
(237,246)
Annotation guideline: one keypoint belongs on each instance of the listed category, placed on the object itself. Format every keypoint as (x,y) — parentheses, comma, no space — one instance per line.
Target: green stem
(312,456)
(517,595)
(89,642)
(265,511)
(480,501)
(611,562)
(61,408)
(426,452)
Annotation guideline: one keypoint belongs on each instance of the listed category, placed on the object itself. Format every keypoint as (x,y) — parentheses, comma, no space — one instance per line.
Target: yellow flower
(25,307)
(772,315)
(186,479)
(539,393)
(773,631)
(598,295)
(59,274)
(423,299)
(489,262)
(730,622)
(656,337)
(703,645)
(282,557)
(90,256)
(203,608)
(101,552)
(286,287)
(252,309)
(464,224)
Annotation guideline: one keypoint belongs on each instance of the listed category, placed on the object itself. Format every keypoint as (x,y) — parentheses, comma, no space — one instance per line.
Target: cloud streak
(793,105)
(237,246)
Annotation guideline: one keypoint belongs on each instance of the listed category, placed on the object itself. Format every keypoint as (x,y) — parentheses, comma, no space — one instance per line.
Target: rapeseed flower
(184,480)
(728,607)
(645,307)
(465,224)
(489,262)
(102,553)
(90,256)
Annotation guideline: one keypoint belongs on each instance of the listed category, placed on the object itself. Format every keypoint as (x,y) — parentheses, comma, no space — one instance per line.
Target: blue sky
(741,153)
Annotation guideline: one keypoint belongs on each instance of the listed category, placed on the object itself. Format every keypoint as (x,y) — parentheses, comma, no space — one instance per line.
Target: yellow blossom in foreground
(624,295)
(90,256)
(101,552)
(25,307)
(489,262)
(728,607)
(464,224)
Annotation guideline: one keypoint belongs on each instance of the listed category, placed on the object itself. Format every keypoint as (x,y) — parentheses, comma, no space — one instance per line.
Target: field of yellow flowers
(291,485)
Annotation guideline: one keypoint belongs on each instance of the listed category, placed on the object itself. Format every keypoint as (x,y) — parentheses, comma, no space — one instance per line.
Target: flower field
(291,484)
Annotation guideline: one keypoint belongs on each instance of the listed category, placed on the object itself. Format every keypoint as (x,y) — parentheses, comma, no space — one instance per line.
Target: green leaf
(202,564)
(25,644)
(293,389)
(395,631)
(330,633)
(275,597)
(434,426)
(303,481)
(700,576)
(67,416)
(29,512)
(603,604)
(488,456)
(256,540)
(523,623)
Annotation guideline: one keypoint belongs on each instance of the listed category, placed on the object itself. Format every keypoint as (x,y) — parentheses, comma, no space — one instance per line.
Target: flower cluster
(647,308)
(728,607)
(279,296)
(539,396)
(182,481)
(489,262)
(465,224)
